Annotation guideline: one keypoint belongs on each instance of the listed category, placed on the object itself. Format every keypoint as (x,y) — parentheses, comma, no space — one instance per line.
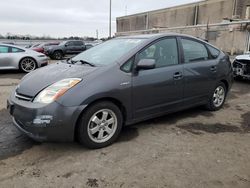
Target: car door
(5,58)
(160,89)
(200,71)
(69,47)
(79,46)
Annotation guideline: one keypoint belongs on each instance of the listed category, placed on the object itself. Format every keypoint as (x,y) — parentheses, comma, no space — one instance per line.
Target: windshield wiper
(83,62)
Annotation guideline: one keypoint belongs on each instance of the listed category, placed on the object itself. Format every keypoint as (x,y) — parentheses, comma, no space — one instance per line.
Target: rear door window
(78,43)
(71,43)
(194,51)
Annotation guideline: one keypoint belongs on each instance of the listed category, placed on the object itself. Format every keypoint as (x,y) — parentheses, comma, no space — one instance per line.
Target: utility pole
(110,5)
(97,34)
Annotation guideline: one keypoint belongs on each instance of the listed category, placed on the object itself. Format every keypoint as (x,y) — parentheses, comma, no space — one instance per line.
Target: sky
(60,18)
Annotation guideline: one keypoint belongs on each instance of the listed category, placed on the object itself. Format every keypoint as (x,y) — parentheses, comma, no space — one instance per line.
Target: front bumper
(241,69)
(52,122)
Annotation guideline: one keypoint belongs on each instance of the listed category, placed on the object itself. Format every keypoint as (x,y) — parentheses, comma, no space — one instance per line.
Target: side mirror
(145,64)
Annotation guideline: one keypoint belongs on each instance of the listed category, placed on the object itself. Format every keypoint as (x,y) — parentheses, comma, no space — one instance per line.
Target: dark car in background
(40,47)
(120,82)
(70,47)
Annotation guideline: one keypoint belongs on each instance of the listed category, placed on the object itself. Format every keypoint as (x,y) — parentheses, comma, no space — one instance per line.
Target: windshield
(62,43)
(108,52)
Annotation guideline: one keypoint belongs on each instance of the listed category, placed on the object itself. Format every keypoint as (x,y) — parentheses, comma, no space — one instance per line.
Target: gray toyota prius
(120,82)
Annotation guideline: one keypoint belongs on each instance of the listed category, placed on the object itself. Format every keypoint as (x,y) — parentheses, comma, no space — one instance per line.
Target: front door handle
(177,76)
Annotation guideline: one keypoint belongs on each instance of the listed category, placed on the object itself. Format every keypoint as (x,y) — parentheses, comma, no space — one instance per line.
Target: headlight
(54,91)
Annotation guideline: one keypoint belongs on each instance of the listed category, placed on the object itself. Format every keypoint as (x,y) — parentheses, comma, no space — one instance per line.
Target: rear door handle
(213,68)
(177,76)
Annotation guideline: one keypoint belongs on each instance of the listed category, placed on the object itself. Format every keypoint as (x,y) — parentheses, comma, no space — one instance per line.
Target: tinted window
(213,51)
(78,43)
(4,49)
(164,52)
(70,43)
(194,51)
(16,50)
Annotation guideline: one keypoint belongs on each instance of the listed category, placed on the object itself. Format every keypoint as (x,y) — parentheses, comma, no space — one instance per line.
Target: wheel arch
(115,101)
(58,50)
(226,84)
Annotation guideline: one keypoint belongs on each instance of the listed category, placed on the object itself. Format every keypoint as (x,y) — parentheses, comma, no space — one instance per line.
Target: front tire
(100,125)
(57,55)
(27,65)
(217,98)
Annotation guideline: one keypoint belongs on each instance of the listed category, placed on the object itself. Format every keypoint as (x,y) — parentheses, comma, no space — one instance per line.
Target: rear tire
(27,65)
(100,125)
(217,98)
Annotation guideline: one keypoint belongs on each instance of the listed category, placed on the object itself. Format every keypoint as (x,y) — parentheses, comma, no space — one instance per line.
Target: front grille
(242,64)
(23,97)
(237,64)
(248,68)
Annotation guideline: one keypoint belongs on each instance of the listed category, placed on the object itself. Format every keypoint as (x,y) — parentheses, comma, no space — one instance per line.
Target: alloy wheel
(102,126)
(219,96)
(58,55)
(28,65)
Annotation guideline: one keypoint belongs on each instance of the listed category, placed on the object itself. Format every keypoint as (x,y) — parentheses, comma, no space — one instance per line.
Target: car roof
(15,46)
(158,35)
(161,35)
(72,40)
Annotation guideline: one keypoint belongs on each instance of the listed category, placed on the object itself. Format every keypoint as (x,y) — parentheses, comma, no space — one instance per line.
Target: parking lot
(193,148)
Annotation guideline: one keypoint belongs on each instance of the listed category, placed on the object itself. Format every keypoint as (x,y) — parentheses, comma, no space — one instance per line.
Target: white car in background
(15,57)
(241,66)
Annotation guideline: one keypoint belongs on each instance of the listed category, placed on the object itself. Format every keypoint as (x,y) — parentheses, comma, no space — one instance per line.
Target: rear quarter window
(16,50)
(213,51)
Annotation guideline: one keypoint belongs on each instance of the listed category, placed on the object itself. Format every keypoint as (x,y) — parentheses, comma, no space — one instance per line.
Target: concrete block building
(224,23)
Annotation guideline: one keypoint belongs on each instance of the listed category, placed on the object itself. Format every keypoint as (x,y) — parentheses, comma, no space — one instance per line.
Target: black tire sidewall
(82,132)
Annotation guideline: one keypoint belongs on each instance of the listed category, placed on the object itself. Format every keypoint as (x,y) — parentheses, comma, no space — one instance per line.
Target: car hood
(41,78)
(243,57)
